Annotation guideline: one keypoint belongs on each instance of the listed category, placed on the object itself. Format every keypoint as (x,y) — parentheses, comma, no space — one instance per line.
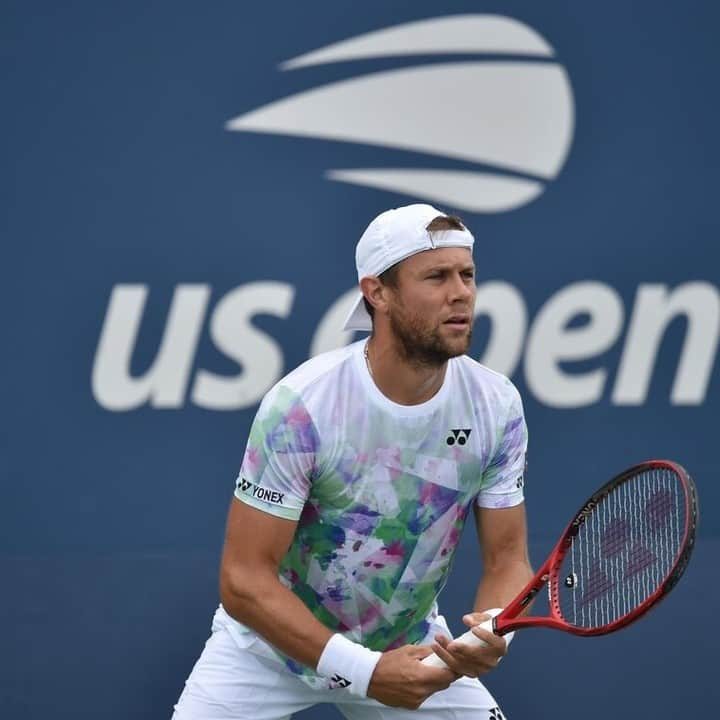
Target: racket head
(624,550)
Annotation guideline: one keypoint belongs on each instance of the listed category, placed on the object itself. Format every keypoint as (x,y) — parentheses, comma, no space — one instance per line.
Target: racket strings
(624,549)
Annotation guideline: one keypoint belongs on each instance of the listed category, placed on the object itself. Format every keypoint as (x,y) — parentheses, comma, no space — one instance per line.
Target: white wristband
(350,665)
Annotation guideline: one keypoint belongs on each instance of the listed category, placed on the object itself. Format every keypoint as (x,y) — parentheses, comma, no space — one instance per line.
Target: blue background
(117,169)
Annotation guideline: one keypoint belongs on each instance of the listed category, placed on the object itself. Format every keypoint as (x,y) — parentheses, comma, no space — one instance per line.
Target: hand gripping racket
(624,550)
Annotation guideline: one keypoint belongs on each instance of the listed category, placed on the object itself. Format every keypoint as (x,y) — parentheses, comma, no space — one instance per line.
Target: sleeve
(277,469)
(504,477)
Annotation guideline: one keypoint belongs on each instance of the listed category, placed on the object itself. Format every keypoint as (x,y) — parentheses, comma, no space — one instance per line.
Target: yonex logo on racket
(459,436)
(583,514)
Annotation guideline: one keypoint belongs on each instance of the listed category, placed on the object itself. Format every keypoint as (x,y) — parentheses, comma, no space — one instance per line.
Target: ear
(375,293)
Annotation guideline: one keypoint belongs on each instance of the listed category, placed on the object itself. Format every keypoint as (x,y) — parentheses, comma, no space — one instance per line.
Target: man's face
(431,311)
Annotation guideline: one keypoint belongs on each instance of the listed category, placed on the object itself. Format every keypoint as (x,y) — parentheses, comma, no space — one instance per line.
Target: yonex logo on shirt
(459,436)
(261,493)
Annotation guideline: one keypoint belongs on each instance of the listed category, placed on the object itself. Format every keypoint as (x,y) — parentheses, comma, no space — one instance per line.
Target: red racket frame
(509,619)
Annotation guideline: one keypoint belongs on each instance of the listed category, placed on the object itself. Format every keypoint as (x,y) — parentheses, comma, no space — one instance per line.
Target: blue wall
(171,245)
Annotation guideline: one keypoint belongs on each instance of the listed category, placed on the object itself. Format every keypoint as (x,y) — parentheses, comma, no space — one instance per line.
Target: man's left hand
(470,660)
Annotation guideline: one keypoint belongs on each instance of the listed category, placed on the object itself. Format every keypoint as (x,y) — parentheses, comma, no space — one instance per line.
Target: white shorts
(230,682)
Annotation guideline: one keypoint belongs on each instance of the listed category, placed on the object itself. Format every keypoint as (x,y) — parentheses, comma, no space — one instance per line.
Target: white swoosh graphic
(456,34)
(462,189)
(514,116)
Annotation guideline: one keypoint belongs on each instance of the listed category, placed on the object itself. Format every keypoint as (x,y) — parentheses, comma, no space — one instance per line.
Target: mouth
(458,322)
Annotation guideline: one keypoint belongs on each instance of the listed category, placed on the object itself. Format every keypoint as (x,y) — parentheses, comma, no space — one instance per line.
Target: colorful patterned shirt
(380,491)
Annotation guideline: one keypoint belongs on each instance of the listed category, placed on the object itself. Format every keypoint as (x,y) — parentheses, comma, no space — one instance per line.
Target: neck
(402,381)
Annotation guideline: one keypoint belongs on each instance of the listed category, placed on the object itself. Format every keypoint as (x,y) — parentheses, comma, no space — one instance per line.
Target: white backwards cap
(393,236)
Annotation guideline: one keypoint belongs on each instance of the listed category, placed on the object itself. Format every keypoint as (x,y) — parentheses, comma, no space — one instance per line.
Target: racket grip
(469,638)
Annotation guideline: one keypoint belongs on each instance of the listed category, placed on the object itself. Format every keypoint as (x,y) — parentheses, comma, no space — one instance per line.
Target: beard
(422,345)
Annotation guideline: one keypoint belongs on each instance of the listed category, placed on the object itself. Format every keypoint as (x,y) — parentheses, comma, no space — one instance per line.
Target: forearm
(499,585)
(278,615)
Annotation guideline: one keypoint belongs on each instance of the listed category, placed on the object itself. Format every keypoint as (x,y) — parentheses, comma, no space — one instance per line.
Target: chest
(389,464)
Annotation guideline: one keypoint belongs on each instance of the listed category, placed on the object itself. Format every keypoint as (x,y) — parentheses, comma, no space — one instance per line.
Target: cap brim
(358,318)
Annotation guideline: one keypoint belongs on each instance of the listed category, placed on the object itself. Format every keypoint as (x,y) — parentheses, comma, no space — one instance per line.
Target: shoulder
(319,368)
(294,410)
(482,378)
(491,393)
(316,376)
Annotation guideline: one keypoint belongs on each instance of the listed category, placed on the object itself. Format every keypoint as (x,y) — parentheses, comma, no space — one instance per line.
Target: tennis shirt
(380,491)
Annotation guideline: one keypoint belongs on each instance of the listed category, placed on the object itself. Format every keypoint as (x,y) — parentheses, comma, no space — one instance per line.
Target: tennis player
(361,468)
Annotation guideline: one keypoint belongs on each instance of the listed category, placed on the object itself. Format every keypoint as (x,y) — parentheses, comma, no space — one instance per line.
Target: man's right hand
(401,680)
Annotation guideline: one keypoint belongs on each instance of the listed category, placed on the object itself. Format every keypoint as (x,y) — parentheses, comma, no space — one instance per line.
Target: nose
(461,288)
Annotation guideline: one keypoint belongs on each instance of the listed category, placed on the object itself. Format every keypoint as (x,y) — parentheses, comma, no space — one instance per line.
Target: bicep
(255,542)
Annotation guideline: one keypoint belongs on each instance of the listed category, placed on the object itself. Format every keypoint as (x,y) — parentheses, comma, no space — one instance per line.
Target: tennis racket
(624,550)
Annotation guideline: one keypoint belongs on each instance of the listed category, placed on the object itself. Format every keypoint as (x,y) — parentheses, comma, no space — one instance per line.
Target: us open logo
(500,125)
